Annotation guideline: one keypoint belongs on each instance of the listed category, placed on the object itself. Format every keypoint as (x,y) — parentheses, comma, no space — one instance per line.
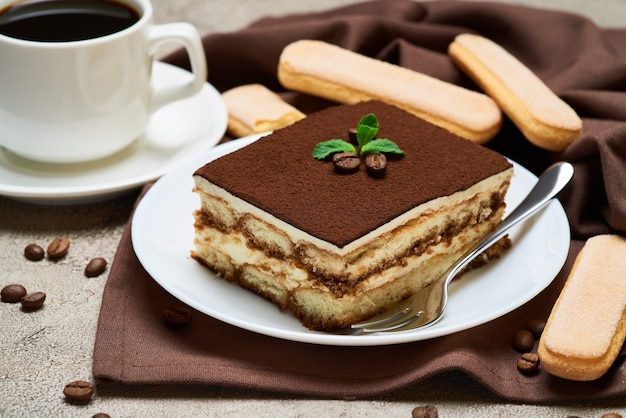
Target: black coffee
(65,20)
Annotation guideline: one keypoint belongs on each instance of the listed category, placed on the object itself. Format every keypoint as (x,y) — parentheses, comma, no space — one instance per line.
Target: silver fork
(426,307)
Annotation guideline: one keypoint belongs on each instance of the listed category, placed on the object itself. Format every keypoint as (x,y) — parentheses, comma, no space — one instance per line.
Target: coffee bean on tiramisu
(177,316)
(12,293)
(523,341)
(376,164)
(536,326)
(79,390)
(352,135)
(33,301)
(34,252)
(58,248)
(528,363)
(95,267)
(346,162)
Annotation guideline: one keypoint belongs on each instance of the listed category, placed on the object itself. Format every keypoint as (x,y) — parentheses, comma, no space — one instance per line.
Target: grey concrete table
(43,351)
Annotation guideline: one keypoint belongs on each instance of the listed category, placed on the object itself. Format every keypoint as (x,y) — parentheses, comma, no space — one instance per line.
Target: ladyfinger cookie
(335,73)
(587,325)
(544,119)
(253,108)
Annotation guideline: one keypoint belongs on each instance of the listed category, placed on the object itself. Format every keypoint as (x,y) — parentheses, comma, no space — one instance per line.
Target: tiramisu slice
(336,248)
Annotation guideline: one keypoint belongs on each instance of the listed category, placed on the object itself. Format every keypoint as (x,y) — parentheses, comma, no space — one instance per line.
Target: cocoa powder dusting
(278,173)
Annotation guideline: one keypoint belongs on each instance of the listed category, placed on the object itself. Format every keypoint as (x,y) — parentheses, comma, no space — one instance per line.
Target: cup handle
(188,36)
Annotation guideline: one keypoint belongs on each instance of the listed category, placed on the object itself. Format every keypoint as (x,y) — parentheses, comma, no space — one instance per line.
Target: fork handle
(550,183)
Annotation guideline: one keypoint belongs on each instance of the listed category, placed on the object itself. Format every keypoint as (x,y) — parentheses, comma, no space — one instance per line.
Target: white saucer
(175,133)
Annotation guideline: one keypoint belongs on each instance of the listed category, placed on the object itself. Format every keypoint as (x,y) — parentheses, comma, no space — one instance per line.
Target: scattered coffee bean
(78,391)
(95,267)
(34,252)
(346,162)
(12,293)
(58,248)
(523,341)
(100,415)
(611,415)
(177,316)
(426,411)
(536,326)
(33,301)
(376,164)
(528,363)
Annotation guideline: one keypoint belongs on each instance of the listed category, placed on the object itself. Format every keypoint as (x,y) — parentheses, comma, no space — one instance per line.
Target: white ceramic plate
(162,235)
(175,133)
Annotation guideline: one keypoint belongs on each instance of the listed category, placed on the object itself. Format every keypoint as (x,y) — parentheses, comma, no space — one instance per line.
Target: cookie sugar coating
(587,325)
(544,119)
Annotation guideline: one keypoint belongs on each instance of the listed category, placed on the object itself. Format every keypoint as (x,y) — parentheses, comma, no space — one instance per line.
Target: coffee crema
(66,20)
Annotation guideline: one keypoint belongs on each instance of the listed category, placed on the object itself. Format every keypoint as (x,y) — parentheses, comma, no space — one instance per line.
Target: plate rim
(314,337)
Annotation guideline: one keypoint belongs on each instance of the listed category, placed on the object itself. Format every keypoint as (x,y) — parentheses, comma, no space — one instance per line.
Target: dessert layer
(278,175)
(411,234)
(336,249)
(324,305)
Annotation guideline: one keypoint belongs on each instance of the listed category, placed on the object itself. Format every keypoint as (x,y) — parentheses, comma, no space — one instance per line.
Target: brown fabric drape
(583,64)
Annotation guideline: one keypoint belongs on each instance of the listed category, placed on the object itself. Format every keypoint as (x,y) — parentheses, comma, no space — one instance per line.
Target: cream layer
(327,305)
(430,223)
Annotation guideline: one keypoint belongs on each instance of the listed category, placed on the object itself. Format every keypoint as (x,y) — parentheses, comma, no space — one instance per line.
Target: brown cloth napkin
(583,64)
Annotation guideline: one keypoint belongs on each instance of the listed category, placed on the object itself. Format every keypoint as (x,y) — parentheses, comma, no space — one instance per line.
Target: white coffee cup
(75,101)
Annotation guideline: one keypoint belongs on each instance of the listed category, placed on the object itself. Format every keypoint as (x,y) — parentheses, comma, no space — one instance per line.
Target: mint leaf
(367,129)
(379,146)
(327,148)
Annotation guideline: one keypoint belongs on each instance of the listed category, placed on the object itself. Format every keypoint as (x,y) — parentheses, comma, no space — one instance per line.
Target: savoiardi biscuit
(587,325)
(325,70)
(253,108)
(544,119)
